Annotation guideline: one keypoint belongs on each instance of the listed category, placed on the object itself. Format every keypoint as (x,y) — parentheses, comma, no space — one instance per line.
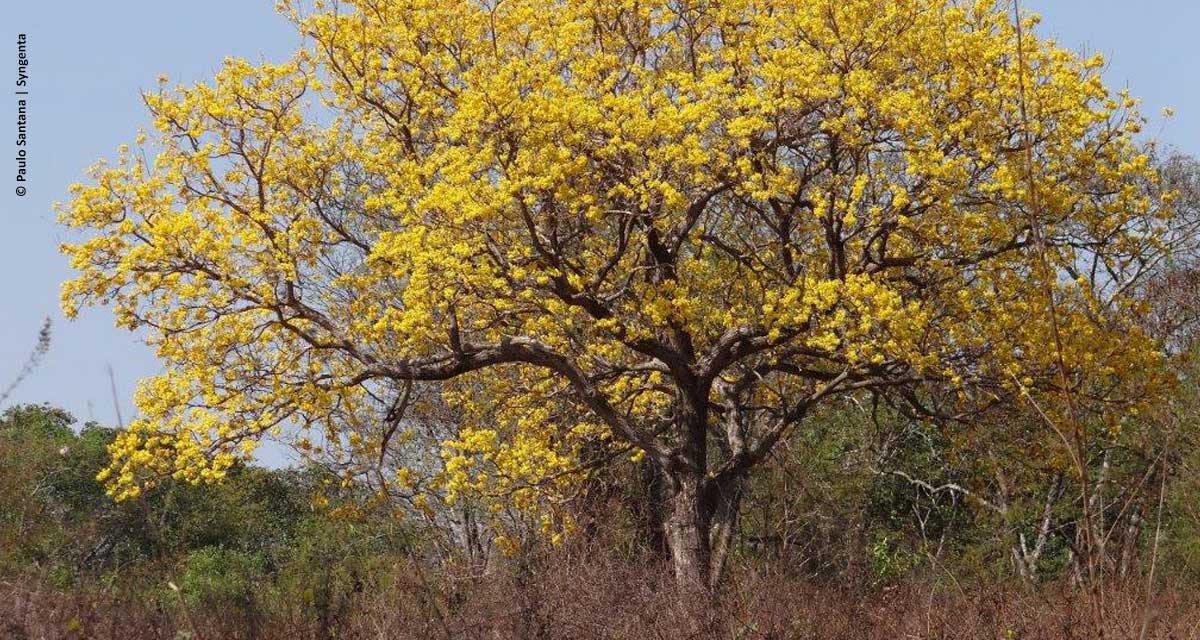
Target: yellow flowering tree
(615,228)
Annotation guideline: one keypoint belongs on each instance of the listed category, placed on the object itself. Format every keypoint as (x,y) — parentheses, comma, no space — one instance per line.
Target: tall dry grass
(581,596)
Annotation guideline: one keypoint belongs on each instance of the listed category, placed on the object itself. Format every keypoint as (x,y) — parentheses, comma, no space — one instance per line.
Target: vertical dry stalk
(35,358)
(1146,612)
(1079,451)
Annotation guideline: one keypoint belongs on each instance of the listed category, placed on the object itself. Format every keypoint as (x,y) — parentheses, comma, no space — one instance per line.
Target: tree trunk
(648,505)
(723,528)
(686,529)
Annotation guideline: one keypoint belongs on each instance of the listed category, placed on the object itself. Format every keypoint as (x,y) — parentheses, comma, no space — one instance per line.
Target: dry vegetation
(572,598)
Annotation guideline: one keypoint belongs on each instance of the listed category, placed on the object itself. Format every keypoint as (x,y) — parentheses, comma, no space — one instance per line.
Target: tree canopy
(654,228)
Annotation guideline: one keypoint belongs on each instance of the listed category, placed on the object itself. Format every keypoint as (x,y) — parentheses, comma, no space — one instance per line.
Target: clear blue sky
(91,59)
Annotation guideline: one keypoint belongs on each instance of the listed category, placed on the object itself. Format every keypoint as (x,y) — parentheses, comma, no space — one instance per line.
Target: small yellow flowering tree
(654,228)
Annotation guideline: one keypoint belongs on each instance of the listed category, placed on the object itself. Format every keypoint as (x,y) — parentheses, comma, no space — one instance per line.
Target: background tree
(659,229)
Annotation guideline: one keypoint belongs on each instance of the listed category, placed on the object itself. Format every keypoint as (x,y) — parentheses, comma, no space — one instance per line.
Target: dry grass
(576,596)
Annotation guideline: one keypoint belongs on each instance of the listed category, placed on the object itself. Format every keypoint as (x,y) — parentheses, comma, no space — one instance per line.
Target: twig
(35,358)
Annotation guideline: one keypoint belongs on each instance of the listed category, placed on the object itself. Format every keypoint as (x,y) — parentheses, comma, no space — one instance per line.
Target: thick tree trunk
(687,530)
(649,508)
(728,502)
